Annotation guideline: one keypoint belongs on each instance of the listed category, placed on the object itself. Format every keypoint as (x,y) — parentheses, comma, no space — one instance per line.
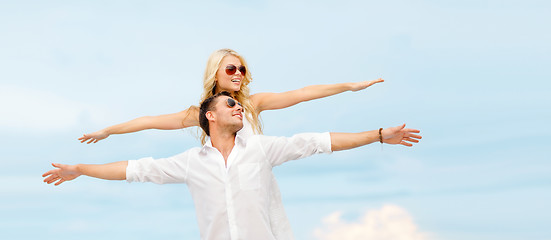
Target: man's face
(228,114)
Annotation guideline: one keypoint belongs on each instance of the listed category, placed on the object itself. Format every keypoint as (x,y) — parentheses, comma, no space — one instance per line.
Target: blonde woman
(228,71)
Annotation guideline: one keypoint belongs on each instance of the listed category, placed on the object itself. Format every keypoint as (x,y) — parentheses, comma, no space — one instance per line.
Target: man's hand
(400,135)
(61,174)
(94,137)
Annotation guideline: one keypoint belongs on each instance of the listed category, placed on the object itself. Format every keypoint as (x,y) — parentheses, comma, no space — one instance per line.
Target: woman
(228,71)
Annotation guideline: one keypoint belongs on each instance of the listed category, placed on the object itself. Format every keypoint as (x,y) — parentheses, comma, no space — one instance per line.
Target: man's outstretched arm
(109,171)
(393,135)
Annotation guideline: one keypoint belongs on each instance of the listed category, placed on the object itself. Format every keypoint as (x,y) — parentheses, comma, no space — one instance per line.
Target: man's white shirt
(237,201)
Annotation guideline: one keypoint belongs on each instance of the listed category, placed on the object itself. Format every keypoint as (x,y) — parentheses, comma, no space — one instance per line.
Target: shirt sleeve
(282,149)
(164,170)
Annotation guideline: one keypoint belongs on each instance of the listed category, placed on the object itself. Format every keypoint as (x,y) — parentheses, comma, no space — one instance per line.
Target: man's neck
(224,142)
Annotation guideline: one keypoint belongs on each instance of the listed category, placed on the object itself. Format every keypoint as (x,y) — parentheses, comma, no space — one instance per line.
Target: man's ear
(209,115)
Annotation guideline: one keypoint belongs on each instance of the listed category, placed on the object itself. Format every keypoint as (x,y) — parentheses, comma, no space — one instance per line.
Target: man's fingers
(52,173)
(412,130)
(397,129)
(411,140)
(413,136)
(53,180)
(47,173)
(48,178)
(406,144)
(59,182)
(57,165)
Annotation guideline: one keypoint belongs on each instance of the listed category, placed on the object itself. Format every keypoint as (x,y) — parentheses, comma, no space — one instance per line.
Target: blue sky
(472,75)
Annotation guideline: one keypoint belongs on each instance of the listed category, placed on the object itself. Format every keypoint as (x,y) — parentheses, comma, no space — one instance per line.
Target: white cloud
(30,110)
(391,222)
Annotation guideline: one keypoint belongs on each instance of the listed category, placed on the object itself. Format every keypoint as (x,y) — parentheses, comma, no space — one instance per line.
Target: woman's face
(225,82)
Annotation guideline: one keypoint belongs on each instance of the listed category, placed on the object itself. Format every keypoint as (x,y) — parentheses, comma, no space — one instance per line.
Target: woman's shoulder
(257,98)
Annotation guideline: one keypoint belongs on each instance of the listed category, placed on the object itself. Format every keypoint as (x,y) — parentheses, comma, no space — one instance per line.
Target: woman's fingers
(88,139)
(84,138)
(51,179)
(375,81)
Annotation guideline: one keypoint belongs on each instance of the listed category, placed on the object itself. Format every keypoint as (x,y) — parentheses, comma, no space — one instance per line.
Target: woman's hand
(363,85)
(94,137)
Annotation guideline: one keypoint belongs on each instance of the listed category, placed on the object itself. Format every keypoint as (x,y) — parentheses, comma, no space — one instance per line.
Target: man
(230,178)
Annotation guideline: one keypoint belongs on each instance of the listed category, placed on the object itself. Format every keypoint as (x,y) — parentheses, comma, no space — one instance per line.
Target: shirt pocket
(249,176)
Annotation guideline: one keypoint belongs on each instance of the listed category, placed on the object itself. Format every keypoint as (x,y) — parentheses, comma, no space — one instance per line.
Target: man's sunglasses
(231,103)
(231,69)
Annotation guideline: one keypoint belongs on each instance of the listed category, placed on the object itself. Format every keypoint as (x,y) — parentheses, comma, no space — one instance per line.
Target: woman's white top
(247,129)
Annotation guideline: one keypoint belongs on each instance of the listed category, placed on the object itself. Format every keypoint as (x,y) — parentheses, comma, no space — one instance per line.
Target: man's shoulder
(256,140)
(297,135)
(260,138)
(190,151)
(299,138)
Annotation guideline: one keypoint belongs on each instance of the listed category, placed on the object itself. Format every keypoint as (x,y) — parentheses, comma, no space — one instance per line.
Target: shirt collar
(207,145)
(239,140)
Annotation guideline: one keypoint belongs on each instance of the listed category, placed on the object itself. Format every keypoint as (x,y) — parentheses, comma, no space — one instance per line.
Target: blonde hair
(209,87)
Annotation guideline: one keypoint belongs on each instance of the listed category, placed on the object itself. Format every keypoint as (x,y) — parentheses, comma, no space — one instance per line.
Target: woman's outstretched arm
(271,101)
(183,119)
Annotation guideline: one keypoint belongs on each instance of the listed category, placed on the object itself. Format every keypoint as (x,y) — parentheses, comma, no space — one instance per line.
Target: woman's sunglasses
(231,69)
(231,103)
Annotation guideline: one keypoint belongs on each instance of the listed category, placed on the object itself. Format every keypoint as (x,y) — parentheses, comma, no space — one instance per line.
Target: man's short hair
(209,105)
